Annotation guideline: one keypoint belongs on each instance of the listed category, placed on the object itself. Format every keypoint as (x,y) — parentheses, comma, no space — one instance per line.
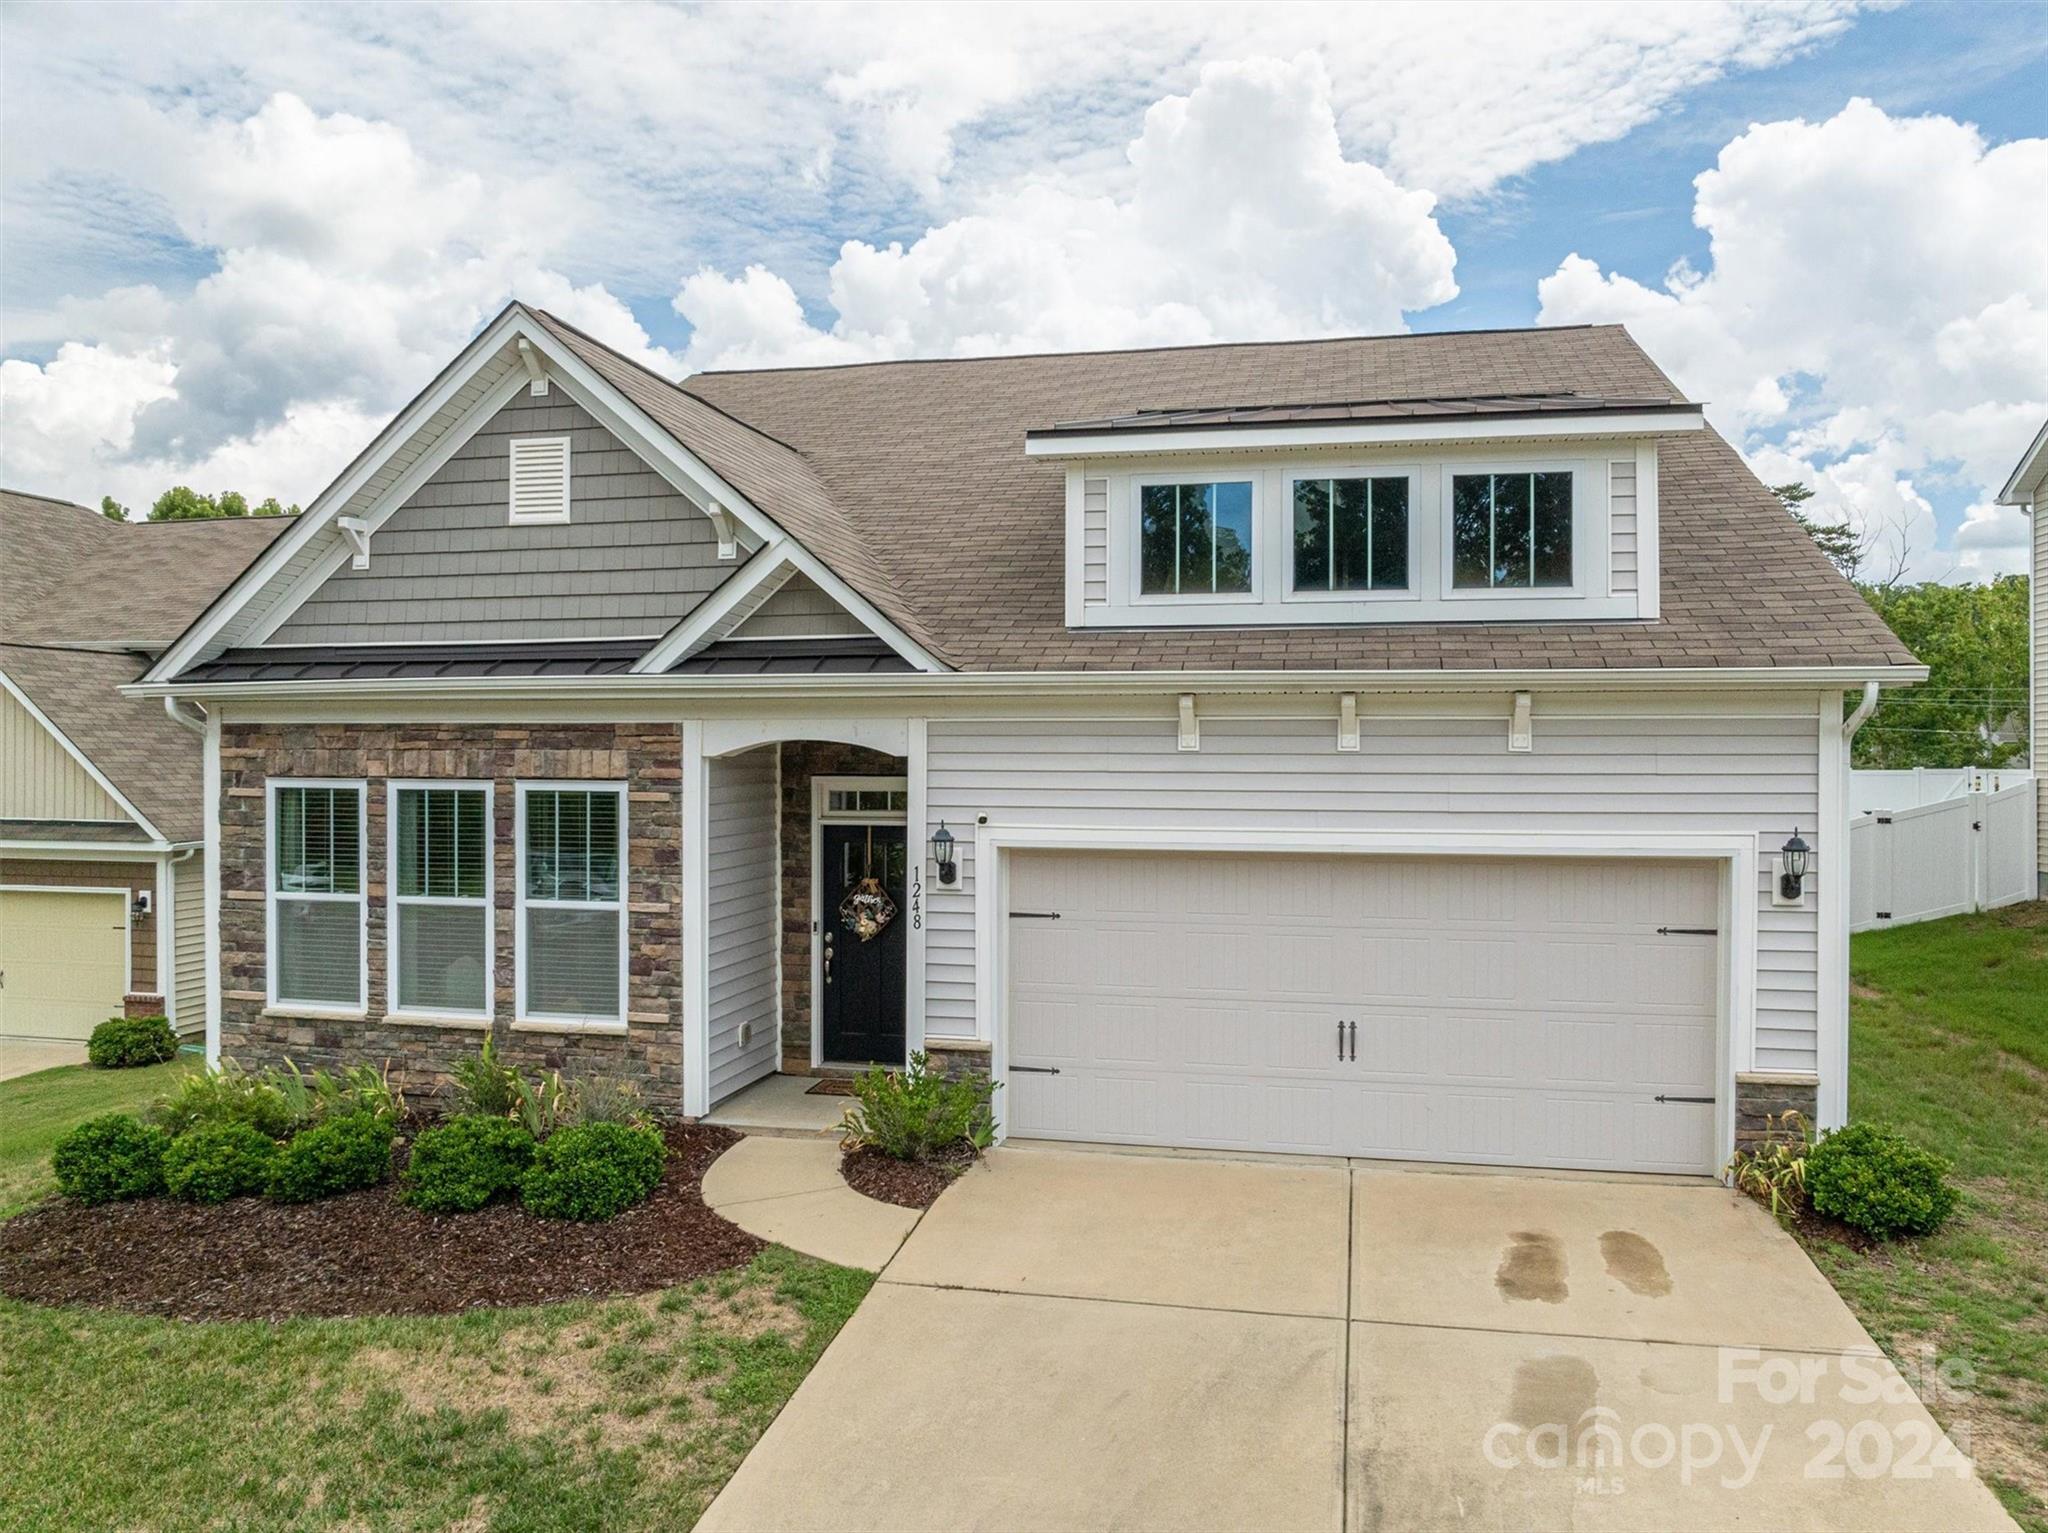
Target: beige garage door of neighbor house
(63,961)
(1504,1011)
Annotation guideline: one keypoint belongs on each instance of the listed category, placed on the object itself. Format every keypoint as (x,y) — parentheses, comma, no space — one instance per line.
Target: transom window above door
(1511,531)
(1351,534)
(867,800)
(1195,539)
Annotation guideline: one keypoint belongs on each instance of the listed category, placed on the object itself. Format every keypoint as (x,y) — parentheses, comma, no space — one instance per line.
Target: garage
(1492,1010)
(63,961)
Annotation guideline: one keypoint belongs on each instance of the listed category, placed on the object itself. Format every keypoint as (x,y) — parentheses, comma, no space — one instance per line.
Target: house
(1381,747)
(101,829)
(2028,489)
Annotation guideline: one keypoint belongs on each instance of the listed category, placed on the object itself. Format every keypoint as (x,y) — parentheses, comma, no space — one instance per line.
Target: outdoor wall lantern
(942,854)
(1793,862)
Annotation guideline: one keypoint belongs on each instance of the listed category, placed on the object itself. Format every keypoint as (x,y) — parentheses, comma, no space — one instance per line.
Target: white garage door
(63,961)
(1504,1011)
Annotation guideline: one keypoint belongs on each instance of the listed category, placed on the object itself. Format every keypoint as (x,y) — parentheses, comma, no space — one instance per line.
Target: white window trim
(1586,526)
(1139,595)
(1410,592)
(551,518)
(531,1021)
(392,900)
(272,894)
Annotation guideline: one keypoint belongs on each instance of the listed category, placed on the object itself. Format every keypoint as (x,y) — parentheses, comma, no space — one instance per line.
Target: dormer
(1511,508)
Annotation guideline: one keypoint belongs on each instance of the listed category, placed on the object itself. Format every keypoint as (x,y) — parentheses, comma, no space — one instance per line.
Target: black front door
(863,981)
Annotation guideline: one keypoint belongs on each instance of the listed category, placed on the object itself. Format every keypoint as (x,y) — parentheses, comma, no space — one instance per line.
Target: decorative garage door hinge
(1034,915)
(1684,1099)
(1688,931)
(1034,1069)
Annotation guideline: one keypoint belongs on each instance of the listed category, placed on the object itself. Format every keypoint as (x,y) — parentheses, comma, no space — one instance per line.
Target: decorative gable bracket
(727,527)
(357,533)
(1521,732)
(536,370)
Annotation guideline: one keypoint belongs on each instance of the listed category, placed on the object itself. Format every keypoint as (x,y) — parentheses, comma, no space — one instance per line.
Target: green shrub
(337,1156)
(543,1105)
(916,1114)
(460,1166)
(1879,1182)
(110,1157)
(226,1094)
(121,1043)
(592,1171)
(482,1087)
(319,1097)
(218,1161)
(605,1099)
(1774,1172)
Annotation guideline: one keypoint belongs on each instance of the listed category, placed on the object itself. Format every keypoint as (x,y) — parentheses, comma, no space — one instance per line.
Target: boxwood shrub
(1879,1182)
(592,1171)
(110,1157)
(460,1166)
(339,1155)
(218,1161)
(121,1043)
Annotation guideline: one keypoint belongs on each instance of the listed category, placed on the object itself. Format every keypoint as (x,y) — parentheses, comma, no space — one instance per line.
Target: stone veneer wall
(1762,1100)
(803,760)
(647,757)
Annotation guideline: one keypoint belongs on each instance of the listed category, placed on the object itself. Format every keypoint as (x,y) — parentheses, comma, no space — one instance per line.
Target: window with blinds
(441,900)
(572,905)
(316,895)
(540,479)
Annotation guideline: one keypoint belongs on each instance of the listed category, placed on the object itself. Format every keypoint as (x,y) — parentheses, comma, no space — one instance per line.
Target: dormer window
(1511,531)
(1351,534)
(1195,539)
(540,479)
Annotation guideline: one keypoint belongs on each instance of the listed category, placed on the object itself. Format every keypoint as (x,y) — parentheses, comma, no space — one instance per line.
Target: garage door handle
(1684,1099)
(1688,931)
(1034,915)
(1034,1069)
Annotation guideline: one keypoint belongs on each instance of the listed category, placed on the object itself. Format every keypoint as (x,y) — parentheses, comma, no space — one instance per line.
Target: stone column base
(957,1056)
(142,1004)
(1763,1098)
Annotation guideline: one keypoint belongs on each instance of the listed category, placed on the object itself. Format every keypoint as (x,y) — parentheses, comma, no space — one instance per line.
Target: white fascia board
(105,783)
(314,520)
(1490,428)
(2029,474)
(646,689)
(761,577)
(95,851)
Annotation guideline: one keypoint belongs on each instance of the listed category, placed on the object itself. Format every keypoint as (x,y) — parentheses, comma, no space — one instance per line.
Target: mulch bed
(906,1183)
(365,1253)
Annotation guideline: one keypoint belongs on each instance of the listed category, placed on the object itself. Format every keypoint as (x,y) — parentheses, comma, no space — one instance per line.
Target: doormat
(831,1088)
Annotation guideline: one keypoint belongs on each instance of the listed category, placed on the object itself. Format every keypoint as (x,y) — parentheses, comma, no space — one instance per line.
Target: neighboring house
(101,822)
(2028,489)
(1373,747)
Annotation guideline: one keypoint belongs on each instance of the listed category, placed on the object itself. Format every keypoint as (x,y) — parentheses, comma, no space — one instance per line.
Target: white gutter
(1040,683)
(1593,425)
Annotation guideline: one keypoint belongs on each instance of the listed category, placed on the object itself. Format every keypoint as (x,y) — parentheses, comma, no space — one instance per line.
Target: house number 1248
(917,899)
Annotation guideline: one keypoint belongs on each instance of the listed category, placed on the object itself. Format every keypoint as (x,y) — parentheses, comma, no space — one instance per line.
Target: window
(572,903)
(1351,534)
(1195,538)
(316,895)
(441,900)
(1511,530)
(866,801)
(540,479)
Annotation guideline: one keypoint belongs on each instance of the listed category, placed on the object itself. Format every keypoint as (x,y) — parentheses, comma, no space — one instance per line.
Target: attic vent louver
(540,479)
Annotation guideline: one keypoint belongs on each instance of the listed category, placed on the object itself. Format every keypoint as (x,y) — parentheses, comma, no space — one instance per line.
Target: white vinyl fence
(1880,791)
(1972,852)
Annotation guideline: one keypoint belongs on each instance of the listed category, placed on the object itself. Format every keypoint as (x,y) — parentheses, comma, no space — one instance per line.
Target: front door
(862,981)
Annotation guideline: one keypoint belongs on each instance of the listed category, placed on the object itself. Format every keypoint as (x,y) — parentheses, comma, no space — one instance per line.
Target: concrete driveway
(1075,1339)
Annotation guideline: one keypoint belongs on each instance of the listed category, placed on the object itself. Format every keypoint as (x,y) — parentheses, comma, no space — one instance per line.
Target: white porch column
(917,834)
(211,786)
(696,827)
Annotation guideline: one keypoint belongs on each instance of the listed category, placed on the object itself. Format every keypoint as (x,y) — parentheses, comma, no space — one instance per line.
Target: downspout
(1860,717)
(196,722)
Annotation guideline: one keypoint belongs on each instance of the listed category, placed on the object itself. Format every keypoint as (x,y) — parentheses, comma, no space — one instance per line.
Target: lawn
(621,1414)
(1949,1044)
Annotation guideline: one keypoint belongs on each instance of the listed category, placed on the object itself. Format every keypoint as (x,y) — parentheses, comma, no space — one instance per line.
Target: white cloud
(1244,219)
(83,401)
(1876,309)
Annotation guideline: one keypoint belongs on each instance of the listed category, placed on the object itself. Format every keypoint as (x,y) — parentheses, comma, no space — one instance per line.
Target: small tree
(182,503)
(112,509)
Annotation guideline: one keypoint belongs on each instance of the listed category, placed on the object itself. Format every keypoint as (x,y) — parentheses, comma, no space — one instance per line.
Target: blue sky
(235,240)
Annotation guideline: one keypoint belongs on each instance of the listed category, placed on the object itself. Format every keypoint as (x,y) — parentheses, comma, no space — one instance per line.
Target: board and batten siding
(449,567)
(188,942)
(1095,542)
(1621,524)
(799,610)
(742,918)
(40,779)
(1598,766)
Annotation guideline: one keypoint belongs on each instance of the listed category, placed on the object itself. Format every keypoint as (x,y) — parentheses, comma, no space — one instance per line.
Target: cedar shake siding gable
(634,558)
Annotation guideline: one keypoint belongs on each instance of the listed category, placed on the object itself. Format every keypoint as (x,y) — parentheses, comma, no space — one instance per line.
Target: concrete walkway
(1074,1340)
(790,1191)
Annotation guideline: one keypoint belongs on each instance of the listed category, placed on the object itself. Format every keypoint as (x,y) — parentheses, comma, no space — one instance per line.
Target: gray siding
(799,610)
(1095,541)
(743,923)
(1596,767)
(39,779)
(1621,512)
(633,559)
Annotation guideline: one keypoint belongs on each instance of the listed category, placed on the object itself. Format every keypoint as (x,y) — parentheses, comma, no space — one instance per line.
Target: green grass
(1949,1044)
(620,1414)
(35,1110)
